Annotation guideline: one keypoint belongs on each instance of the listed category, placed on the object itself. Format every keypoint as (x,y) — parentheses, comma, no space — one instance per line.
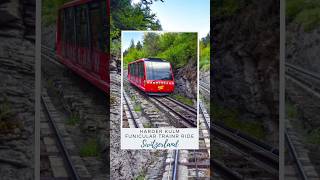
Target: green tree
(151,43)
(132,45)
(125,16)
(177,48)
(205,53)
(50,10)
(139,46)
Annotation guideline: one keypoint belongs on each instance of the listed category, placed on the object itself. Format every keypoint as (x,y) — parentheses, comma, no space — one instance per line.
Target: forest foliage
(128,16)
(177,48)
(50,10)
(304,12)
(226,8)
(204,59)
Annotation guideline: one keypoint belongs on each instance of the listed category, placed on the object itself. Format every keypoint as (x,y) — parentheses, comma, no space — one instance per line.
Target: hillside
(245,66)
(303,33)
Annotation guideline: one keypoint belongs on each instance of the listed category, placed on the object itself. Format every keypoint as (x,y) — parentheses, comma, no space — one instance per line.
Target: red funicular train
(152,75)
(82,39)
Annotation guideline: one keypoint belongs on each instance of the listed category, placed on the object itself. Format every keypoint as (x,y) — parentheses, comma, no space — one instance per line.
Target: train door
(83,42)
(141,74)
(60,32)
(134,78)
(99,42)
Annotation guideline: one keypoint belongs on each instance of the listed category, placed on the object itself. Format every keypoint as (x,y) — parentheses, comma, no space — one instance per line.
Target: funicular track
(186,113)
(129,115)
(258,153)
(194,163)
(297,152)
(67,170)
(261,155)
(307,80)
(84,102)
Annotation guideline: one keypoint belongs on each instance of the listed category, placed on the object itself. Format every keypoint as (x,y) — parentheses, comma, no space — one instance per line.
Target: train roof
(149,60)
(75,2)
(155,59)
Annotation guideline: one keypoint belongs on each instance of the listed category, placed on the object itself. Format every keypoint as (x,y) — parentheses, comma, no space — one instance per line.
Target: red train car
(152,75)
(82,39)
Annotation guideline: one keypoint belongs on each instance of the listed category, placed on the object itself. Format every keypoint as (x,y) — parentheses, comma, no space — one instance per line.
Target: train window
(129,68)
(69,26)
(97,30)
(136,69)
(106,25)
(82,26)
(158,71)
(141,69)
(132,68)
(64,25)
(61,18)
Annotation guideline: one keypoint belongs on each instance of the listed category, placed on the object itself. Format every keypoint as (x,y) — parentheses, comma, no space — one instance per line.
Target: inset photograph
(159,79)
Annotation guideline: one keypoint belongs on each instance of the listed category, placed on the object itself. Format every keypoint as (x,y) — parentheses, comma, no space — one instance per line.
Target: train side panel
(136,74)
(82,40)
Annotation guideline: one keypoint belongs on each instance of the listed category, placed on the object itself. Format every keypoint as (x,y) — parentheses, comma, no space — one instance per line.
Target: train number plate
(160,87)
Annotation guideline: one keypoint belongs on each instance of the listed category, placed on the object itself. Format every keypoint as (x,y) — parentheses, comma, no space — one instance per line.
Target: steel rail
(189,108)
(72,170)
(294,154)
(207,122)
(225,171)
(261,156)
(196,163)
(130,111)
(303,71)
(190,122)
(175,165)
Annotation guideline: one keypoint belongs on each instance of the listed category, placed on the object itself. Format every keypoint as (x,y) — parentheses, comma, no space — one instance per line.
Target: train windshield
(158,71)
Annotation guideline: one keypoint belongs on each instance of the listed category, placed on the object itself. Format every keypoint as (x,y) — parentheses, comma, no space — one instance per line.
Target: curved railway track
(204,86)
(186,113)
(63,152)
(129,115)
(198,161)
(310,83)
(307,80)
(294,155)
(89,107)
(257,152)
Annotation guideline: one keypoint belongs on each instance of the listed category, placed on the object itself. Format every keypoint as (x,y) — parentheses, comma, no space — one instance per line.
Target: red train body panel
(82,40)
(151,75)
